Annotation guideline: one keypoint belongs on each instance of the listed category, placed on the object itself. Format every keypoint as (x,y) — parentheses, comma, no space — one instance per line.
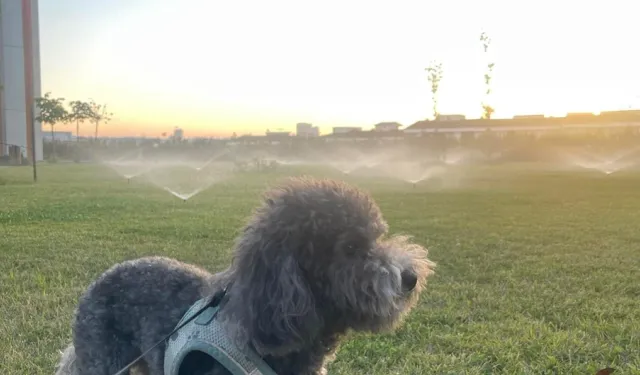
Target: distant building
(358,136)
(450,118)
(610,122)
(517,117)
(580,115)
(307,130)
(386,126)
(20,77)
(624,116)
(346,129)
(278,133)
(178,134)
(628,112)
(58,136)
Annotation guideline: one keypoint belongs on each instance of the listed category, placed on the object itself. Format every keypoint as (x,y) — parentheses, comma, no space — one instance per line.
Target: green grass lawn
(538,271)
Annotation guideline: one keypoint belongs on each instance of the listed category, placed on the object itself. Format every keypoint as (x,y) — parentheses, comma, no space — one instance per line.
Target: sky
(218,67)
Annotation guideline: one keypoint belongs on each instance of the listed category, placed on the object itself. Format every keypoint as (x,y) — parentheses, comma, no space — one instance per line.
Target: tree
(80,112)
(51,112)
(435,76)
(487,110)
(99,114)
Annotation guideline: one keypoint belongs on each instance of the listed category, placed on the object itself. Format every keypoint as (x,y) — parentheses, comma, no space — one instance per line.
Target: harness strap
(207,335)
(217,298)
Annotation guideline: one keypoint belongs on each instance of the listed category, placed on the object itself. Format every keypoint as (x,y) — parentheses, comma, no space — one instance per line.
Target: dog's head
(314,261)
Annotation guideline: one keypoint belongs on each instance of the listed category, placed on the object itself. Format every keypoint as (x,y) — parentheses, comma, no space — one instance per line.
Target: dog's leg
(67,362)
(155,361)
(100,351)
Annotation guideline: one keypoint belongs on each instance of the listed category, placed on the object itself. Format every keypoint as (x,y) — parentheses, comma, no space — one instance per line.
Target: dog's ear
(272,301)
(286,316)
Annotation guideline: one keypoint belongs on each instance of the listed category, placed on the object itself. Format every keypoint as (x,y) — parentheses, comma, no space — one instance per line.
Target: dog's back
(128,309)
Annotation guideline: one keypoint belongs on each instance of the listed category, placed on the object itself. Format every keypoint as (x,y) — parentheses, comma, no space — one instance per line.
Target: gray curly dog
(312,264)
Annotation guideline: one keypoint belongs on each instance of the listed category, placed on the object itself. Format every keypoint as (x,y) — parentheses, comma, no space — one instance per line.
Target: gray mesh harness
(206,334)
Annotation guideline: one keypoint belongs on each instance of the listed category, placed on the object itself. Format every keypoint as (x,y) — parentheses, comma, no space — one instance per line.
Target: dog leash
(217,298)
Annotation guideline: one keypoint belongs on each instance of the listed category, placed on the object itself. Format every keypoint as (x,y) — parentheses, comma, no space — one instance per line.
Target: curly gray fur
(312,264)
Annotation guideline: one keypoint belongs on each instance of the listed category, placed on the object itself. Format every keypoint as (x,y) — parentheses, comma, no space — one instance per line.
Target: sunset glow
(214,68)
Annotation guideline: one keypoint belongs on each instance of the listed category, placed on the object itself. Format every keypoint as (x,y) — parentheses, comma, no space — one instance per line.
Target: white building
(19,77)
(386,126)
(346,129)
(519,117)
(450,118)
(178,134)
(307,130)
(278,133)
(58,136)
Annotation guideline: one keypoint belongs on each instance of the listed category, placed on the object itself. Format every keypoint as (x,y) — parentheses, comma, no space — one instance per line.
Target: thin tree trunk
(96,136)
(53,144)
(77,152)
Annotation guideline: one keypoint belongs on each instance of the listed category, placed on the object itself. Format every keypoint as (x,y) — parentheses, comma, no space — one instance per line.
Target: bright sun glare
(215,68)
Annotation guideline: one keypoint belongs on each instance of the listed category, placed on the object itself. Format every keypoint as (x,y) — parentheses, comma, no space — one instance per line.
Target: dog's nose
(409,280)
